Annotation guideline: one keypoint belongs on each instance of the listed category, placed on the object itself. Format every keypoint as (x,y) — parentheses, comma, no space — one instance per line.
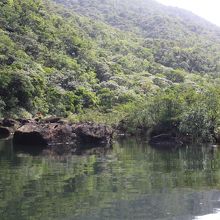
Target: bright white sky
(208,9)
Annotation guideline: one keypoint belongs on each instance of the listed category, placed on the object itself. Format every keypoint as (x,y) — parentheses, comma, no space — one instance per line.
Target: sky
(208,9)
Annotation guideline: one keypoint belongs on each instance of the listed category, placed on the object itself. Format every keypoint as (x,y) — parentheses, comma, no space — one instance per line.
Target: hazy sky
(208,9)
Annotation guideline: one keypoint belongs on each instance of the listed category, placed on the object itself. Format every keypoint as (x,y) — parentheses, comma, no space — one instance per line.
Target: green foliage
(193,112)
(173,37)
(16,90)
(176,76)
(201,118)
(196,123)
(111,117)
(89,60)
(2,107)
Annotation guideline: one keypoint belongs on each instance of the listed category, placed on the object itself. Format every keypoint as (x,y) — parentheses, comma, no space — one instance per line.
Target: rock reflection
(128,181)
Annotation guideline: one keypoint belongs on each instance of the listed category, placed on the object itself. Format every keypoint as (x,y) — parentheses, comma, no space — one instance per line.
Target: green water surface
(131,181)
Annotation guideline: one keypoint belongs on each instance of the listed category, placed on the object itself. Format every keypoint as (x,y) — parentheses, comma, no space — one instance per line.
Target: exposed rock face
(92,133)
(7,127)
(7,122)
(5,132)
(62,137)
(44,134)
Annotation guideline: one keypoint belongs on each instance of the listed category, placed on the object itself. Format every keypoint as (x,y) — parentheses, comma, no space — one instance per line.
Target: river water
(131,181)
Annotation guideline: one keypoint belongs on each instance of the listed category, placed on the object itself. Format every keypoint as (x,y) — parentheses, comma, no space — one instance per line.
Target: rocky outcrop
(7,127)
(88,133)
(5,132)
(60,136)
(11,123)
(43,134)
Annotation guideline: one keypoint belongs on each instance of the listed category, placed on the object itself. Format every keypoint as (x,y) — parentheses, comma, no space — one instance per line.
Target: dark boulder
(91,133)
(62,138)
(7,122)
(43,134)
(5,132)
(56,133)
(7,127)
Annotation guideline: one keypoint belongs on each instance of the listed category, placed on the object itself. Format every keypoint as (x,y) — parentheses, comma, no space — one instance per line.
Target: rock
(43,134)
(7,127)
(62,137)
(30,134)
(91,133)
(5,132)
(51,120)
(57,133)
(24,121)
(7,122)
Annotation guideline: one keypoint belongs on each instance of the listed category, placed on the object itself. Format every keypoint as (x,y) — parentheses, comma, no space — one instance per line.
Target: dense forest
(138,64)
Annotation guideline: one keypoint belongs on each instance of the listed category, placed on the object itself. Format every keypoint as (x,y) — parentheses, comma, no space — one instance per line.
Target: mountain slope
(142,15)
(177,34)
(56,60)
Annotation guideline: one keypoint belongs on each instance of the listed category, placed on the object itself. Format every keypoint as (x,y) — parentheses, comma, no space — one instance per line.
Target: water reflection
(215,216)
(131,181)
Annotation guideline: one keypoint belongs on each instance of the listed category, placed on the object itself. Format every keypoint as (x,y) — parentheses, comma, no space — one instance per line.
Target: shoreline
(59,136)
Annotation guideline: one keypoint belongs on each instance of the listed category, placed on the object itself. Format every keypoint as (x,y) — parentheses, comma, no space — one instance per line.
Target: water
(131,181)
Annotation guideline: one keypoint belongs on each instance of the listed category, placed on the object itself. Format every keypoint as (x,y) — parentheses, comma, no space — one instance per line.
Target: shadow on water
(62,149)
(128,181)
(33,150)
(6,149)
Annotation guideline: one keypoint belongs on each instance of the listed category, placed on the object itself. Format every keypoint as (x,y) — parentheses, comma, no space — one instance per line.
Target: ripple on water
(133,181)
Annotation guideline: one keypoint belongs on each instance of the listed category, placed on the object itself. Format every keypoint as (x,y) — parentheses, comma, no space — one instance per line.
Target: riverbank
(58,135)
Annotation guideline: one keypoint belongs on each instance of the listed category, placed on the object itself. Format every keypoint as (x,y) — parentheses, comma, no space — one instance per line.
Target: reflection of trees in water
(130,177)
(179,205)
(6,150)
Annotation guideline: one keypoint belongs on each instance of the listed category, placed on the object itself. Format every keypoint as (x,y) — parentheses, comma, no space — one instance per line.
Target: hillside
(144,17)
(188,39)
(70,57)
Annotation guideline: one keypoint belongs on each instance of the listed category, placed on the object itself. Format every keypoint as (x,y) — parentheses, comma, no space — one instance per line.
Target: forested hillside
(177,37)
(98,60)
